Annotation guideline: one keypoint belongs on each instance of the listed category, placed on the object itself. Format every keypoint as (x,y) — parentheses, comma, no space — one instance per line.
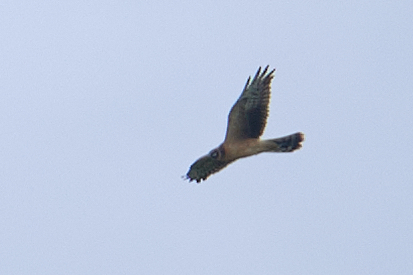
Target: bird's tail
(286,144)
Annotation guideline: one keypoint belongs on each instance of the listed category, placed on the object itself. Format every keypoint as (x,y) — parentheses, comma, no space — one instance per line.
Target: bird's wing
(248,116)
(204,167)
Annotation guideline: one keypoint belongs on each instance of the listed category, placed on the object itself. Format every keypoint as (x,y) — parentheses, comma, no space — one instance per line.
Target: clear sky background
(105,104)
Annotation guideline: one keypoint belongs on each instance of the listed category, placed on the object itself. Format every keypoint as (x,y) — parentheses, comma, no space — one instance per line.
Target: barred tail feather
(288,143)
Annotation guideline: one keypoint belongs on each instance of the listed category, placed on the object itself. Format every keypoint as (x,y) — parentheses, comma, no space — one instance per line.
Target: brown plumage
(246,123)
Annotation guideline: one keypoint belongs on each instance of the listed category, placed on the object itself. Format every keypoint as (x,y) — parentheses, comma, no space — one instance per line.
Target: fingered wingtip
(257,74)
(265,70)
(263,74)
(189,179)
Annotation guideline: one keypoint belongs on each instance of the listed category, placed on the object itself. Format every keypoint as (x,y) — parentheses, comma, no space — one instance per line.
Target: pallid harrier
(246,123)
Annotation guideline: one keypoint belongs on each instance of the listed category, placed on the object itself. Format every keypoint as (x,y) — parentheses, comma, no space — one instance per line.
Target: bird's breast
(241,149)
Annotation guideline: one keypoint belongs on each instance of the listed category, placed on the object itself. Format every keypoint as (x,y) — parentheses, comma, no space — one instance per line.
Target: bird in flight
(246,123)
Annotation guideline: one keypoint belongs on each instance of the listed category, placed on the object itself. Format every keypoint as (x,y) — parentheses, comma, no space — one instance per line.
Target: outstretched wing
(248,116)
(204,167)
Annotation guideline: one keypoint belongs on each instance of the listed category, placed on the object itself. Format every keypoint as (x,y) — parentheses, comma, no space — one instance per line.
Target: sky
(104,105)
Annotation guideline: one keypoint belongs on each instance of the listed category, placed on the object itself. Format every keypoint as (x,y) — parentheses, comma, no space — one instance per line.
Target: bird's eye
(214,154)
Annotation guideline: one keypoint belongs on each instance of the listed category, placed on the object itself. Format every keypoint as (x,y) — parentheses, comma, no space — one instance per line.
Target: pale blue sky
(105,104)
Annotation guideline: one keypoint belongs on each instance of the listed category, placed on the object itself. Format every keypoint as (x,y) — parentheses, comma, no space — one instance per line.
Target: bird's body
(246,123)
